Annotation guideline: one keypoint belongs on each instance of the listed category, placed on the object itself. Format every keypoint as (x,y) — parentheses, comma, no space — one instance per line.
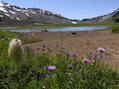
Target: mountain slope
(109,18)
(15,14)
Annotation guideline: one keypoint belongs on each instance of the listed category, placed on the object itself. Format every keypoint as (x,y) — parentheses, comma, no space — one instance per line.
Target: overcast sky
(72,9)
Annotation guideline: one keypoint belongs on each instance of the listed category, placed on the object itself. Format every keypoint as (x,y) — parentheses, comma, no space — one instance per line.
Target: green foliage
(30,40)
(116,20)
(69,73)
(115,29)
(5,37)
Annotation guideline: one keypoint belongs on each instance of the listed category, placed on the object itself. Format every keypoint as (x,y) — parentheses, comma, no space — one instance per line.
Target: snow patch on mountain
(1,16)
(8,15)
(12,12)
(1,3)
(17,9)
(28,15)
(3,9)
(18,18)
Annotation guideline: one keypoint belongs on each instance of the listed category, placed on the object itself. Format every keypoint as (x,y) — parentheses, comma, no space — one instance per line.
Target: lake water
(86,28)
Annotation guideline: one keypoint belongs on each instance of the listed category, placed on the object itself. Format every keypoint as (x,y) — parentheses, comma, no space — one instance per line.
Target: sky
(72,9)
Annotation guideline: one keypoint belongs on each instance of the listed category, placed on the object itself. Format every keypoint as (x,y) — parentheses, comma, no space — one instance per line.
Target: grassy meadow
(44,71)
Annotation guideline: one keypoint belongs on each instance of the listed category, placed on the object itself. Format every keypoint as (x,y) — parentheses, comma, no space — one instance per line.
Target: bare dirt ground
(80,43)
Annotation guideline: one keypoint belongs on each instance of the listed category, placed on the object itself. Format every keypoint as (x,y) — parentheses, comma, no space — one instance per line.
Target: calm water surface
(89,28)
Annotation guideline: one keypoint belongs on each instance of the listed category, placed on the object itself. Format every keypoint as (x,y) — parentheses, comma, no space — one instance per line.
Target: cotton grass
(15,51)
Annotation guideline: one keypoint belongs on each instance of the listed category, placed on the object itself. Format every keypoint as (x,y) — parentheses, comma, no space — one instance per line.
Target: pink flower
(102,50)
(86,61)
(51,67)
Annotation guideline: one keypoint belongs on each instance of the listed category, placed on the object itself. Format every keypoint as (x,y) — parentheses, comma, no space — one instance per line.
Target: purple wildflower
(48,75)
(27,49)
(50,50)
(90,56)
(74,60)
(96,57)
(67,54)
(51,67)
(86,61)
(100,56)
(102,50)
(43,46)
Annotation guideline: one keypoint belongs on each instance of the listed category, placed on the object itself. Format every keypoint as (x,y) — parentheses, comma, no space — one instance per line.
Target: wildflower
(74,60)
(32,34)
(90,56)
(15,51)
(96,57)
(102,50)
(43,46)
(67,54)
(51,67)
(27,49)
(100,56)
(48,75)
(86,61)
(50,50)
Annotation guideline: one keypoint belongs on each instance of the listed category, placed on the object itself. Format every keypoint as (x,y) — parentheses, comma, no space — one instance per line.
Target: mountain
(11,14)
(109,18)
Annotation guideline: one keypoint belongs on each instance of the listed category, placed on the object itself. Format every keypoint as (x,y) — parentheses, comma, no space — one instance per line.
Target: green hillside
(105,19)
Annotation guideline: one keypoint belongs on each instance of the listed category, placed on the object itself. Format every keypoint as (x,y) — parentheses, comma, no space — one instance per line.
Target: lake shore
(81,43)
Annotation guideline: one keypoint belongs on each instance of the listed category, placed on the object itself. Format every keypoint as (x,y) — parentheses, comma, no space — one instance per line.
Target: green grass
(7,35)
(70,72)
(115,29)
(110,28)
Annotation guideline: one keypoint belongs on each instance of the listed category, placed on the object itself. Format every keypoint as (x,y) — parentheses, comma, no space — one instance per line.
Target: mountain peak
(33,15)
(2,3)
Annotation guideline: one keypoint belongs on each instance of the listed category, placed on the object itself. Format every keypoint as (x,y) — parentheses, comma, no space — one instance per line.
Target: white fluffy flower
(15,51)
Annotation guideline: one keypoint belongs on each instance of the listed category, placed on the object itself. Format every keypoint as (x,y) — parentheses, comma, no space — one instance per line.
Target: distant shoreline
(55,29)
